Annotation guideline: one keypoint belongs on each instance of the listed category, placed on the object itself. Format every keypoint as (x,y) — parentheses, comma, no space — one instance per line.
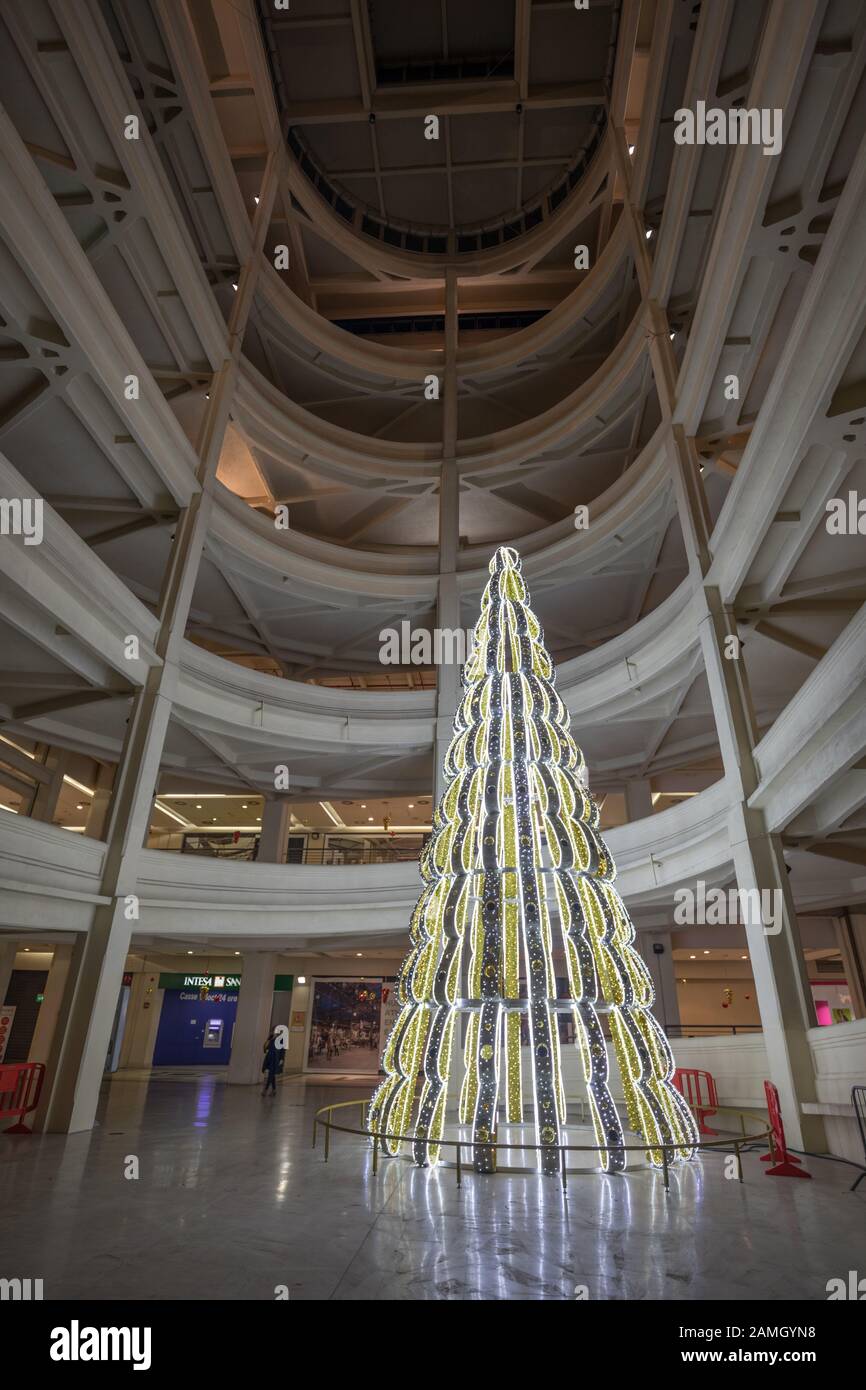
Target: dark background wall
(24,986)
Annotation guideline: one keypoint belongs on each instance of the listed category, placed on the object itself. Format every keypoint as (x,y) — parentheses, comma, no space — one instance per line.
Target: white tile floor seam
(233,1201)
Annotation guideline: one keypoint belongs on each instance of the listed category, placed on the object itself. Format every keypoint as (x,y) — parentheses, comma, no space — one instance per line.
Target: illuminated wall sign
(174,980)
(171,980)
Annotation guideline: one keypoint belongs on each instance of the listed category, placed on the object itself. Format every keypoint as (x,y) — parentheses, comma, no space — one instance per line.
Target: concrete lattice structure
(153,258)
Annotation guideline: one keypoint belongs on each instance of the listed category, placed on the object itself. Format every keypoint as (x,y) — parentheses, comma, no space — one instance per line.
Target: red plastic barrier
(778,1155)
(698,1089)
(20,1088)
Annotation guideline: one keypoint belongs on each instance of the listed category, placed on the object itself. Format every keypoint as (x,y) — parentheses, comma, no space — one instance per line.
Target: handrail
(681,1030)
(330,855)
(562,1149)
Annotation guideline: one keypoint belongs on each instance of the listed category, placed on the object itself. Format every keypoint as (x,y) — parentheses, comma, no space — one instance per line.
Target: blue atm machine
(195,1028)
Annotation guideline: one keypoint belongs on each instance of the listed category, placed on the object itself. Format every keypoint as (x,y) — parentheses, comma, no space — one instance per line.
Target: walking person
(271,1064)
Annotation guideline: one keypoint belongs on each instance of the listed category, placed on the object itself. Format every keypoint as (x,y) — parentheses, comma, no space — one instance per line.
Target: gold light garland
(515,856)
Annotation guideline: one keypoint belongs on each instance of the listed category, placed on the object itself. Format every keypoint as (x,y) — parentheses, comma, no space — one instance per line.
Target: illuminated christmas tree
(514,869)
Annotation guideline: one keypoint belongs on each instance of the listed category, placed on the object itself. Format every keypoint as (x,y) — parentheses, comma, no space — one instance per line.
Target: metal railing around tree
(466,1147)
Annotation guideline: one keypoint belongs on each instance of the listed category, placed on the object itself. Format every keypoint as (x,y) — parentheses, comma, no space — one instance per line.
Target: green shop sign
(175,981)
(172,980)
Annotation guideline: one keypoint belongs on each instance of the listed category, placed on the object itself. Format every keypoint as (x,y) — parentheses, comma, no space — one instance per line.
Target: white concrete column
(253,1019)
(74,1084)
(777,961)
(8,952)
(296,1059)
(638,799)
(142,1020)
(48,792)
(664,976)
(52,1004)
(447,681)
(775,948)
(96,824)
(448,597)
(851,937)
(274,835)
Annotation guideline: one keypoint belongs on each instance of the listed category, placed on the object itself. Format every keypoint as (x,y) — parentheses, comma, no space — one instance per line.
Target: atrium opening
(433,678)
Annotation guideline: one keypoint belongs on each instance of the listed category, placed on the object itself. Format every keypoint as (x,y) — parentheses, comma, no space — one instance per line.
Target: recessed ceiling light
(80,806)
(359,953)
(244,806)
(256,199)
(237,953)
(234,284)
(744,957)
(672,336)
(363,805)
(258,817)
(189,953)
(411,805)
(706,953)
(198,806)
(691,957)
(631,149)
(648,233)
(369,818)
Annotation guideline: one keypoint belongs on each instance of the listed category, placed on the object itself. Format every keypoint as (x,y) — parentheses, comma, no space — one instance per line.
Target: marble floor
(231,1201)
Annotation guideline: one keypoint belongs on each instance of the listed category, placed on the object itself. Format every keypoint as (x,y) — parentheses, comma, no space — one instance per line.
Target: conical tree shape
(515,864)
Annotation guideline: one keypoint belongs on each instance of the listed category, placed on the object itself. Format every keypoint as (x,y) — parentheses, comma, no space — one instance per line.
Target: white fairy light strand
(514,850)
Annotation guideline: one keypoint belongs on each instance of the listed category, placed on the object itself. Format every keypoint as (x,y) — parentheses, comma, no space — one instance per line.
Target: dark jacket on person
(272,1056)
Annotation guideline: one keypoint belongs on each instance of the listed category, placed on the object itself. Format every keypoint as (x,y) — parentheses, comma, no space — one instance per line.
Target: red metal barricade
(20,1088)
(784,1163)
(698,1089)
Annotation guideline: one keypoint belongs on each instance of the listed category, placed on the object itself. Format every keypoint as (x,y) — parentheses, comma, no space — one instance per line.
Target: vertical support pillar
(47,795)
(638,799)
(775,948)
(274,836)
(302,1002)
(448,598)
(8,952)
(253,1019)
(142,1020)
(96,823)
(851,939)
(664,976)
(74,1085)
(777,959)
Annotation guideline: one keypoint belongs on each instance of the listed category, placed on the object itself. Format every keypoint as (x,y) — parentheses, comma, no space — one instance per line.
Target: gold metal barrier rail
(323,1117)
